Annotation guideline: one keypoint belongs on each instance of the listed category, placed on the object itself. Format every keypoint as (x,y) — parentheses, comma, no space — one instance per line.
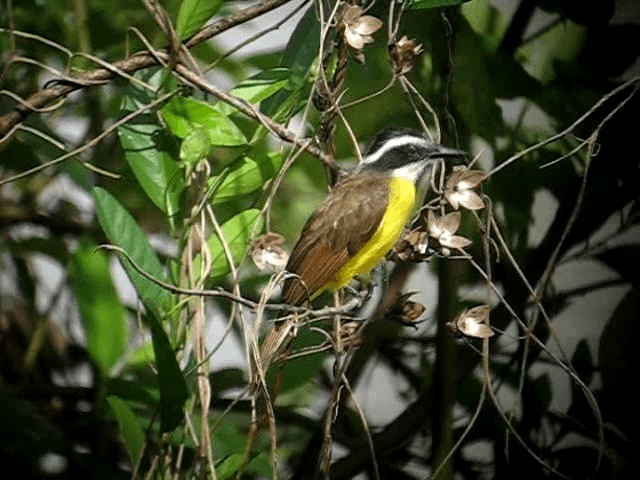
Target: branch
(252,112)
(512,38)
(129,65)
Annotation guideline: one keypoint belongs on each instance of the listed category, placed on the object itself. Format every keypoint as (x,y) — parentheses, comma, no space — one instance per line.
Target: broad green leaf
(228,467)
(171,382)
(618,362)
(149,150)
(516,198)
(541,396)
(621,259)
(54,247)
(618,345)
(299,57)
(101,312)
(132,433)
(228,440)
(28,433)
(194,14)
(227,379)
(561,44)
(302,47)
(510,79)
(486,20)
(142,355)
(420,4)
(237,232)
(195,146)
(244,175)
(147,155)
(257,88)
(184,114)
(141,391)
(472,74)
(583,362)
(294,377)
(122,230)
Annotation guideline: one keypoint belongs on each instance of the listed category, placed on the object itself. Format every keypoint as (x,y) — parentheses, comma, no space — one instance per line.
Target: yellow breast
(402,195)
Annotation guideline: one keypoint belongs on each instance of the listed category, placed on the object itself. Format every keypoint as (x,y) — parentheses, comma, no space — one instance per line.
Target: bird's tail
(276,341)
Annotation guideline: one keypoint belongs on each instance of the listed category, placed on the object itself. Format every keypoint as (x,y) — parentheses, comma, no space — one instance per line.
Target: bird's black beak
(440,151)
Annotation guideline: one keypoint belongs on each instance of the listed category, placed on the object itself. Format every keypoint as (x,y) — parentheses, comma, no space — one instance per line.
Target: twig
(633,81)
(129,65)
(91,142)
(252,112)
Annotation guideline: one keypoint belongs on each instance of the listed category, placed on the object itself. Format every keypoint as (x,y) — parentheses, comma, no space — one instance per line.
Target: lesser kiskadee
(358,222)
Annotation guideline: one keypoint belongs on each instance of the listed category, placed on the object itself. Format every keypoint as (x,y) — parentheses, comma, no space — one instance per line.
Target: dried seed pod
(443,229)
(267,253)
(472,322)
(406,311)
(403,54)
(413,246)
(358,29)
(459,187)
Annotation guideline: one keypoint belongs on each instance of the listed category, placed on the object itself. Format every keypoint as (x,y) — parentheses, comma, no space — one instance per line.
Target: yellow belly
(402,195)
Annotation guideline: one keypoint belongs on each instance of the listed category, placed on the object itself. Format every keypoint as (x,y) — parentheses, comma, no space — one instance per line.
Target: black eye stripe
(398,157)
(389,134)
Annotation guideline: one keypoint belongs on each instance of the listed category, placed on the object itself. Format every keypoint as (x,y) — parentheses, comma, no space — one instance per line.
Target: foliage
(134,193)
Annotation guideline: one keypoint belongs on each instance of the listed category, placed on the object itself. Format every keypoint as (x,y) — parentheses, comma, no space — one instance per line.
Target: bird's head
(403,152)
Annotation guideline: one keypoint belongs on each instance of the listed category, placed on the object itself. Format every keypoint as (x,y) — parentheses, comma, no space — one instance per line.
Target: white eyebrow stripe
(391,144)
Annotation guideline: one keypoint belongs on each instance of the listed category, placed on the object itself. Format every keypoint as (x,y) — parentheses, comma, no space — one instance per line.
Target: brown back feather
(334,233)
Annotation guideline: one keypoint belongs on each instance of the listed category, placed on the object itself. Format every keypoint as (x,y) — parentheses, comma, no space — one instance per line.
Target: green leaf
(101,311)
(194,14)
(142,355)
(621,260)
(171,382)
(132,433)
(472,74)
(122,230)
(183,114)
(540,398)
(618,363)
(245,175)
(299,57)
(294,377)
(237,232)
(229,466)
(420,4)
(158,174)
(257,88)
(143,390)
(302,47)
(149,150)
(227,379)
(618,344)
(510,79)
(228,440)
(195,146)
(560,44)
(583,363)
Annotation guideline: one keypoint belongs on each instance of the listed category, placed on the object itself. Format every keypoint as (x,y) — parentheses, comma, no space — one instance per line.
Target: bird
(356,224)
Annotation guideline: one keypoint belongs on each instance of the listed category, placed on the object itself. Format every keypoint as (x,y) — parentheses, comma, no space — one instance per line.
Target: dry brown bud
(267,253)
(404,54)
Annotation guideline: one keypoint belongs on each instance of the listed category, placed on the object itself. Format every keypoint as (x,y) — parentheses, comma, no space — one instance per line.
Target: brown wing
(346,219)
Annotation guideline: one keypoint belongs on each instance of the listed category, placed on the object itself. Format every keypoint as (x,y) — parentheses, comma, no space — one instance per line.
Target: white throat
(410,172)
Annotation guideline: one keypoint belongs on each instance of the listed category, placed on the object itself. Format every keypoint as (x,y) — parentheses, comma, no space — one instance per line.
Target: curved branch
(129,65)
